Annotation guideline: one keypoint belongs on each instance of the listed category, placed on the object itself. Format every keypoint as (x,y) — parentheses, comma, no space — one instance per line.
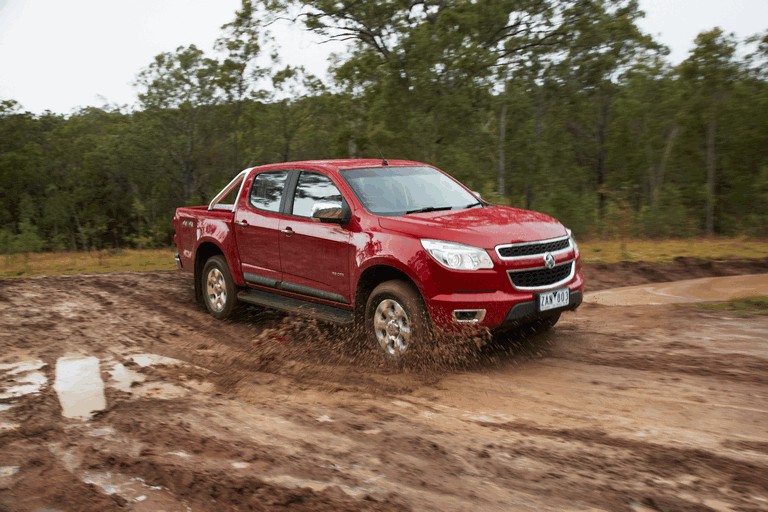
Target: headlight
(573,239)
(457,256)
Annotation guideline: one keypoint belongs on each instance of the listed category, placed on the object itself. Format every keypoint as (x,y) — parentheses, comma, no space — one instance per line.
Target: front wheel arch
(395,318)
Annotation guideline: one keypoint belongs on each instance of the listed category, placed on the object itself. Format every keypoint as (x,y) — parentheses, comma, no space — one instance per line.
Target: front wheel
(395,317)
(219,291)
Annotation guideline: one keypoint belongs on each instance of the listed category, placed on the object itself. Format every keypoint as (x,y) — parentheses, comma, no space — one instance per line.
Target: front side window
(267,190)
(394,191)
(315,193)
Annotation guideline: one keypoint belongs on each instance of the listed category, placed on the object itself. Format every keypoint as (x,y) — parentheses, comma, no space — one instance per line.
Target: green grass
(592,251)
(61,263)
(740,307)
(660,251)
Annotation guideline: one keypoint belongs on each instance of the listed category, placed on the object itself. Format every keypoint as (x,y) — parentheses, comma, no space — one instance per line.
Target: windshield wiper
(479,203)
(429,209)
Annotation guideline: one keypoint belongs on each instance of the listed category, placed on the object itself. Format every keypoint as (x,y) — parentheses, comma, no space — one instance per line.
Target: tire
(219,291)
(396,318)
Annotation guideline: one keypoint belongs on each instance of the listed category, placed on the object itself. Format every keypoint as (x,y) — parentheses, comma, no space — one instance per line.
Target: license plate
(554,299)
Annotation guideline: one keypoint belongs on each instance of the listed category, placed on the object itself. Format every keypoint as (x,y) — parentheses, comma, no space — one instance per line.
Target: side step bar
(292,305)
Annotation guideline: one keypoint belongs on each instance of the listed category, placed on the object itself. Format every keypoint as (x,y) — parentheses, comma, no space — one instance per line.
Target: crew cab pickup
(400,248)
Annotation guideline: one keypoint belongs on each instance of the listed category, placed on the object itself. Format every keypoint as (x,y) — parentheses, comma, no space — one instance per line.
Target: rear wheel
(395,318)
(219,291)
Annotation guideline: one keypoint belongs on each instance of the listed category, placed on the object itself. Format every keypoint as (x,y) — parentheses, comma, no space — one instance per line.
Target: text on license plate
(553,299)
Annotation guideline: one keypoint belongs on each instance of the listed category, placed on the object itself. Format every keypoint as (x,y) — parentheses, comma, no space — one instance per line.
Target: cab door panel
(257,224)
(314,256)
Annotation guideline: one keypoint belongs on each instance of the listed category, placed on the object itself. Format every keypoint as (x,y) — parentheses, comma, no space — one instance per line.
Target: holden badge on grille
(549,260)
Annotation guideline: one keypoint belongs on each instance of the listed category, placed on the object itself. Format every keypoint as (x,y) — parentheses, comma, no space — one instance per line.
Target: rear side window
(267,190)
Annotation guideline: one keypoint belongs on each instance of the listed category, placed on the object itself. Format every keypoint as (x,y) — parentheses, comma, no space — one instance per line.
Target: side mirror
(477,194)
(332,212)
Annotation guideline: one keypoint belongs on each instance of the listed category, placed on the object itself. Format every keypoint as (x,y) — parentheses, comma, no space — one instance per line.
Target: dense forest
(566,107)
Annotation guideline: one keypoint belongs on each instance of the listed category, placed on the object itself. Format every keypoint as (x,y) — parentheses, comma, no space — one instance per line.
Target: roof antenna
(383,160)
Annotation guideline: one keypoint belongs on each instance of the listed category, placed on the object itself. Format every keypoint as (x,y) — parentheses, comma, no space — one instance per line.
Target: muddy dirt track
(618,408)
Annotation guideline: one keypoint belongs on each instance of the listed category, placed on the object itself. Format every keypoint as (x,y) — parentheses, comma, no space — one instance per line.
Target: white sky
(59,55)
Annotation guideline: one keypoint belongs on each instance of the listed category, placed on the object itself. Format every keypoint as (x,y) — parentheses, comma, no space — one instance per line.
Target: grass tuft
(94,262)
(664,251)
(740,307)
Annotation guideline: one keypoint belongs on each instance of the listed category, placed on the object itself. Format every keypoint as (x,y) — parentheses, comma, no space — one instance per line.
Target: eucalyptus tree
(178,90)
(709,74)
(428,71)
(239,72)
(603,44)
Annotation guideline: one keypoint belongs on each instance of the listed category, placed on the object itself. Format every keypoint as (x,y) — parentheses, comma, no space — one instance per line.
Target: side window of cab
(267,190)
(316,194)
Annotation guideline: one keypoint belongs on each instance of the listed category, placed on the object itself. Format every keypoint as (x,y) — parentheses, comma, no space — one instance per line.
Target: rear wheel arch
(205,251)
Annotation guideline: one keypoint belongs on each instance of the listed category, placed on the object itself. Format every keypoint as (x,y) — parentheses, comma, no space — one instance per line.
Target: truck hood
(481,227)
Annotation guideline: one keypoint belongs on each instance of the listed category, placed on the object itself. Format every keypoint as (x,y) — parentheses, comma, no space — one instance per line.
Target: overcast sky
(59,55)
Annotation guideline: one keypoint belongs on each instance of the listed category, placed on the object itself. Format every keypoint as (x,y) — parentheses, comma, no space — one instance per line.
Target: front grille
(515,251)
(540,277)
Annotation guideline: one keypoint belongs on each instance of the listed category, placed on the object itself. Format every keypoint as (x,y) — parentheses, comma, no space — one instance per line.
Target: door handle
(241,222)
(287,231)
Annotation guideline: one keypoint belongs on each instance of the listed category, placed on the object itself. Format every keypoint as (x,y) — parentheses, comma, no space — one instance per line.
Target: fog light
(469,315)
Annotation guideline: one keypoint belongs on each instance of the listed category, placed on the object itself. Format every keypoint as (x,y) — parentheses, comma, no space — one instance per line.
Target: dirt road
(117,392)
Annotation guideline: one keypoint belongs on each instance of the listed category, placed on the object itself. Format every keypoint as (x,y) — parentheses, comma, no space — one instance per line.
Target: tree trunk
(501,149)
(538,127)
(657,180)
(711,170)
(601,196)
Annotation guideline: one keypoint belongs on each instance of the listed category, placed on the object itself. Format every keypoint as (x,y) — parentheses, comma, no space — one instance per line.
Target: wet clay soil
(618,408)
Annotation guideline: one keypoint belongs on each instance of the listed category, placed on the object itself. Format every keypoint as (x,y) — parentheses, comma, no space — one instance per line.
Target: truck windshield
(394,191)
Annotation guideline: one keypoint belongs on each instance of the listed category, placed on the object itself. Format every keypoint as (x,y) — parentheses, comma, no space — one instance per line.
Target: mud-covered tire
(396,318)
(218,288)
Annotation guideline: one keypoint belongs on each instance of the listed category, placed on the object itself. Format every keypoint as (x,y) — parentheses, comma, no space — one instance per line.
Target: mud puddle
(79,386)
(25,378)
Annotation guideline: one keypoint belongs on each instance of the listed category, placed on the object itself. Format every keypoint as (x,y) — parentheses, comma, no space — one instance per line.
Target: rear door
(257,224)
(314,256)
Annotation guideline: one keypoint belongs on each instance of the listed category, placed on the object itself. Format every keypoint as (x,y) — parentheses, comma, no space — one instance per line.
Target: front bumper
(502,308)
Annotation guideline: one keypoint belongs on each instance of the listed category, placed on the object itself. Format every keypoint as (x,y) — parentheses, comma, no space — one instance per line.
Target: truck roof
(343,163)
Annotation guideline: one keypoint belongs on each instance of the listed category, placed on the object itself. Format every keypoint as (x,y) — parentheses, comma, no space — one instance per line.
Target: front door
(314,256)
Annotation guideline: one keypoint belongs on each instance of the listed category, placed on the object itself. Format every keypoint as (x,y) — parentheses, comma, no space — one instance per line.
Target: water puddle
(25,376)
(79,386)
(8,427)
(315,485)
(160,390)
(21,367)
(145,360)
(8,470)
(102,432)
(123,378)
(144,497)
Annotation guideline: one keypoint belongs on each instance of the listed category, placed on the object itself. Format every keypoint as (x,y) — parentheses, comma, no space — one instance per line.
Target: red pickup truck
(398,247)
